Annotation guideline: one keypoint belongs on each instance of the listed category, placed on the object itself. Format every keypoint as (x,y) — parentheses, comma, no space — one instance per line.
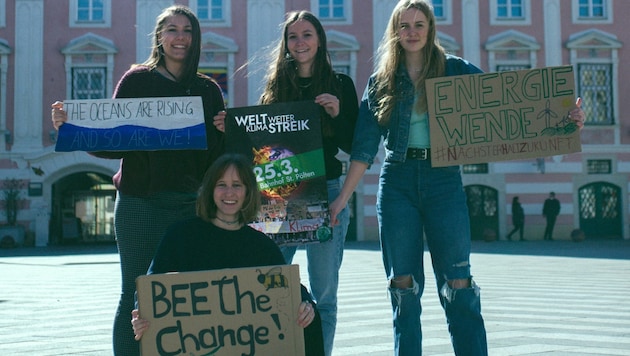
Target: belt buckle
(424,153)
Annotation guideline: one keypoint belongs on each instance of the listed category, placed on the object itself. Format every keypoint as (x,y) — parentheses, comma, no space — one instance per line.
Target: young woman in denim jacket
(415,199)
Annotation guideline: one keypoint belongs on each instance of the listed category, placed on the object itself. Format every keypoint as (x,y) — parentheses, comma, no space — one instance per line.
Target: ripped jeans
(416,200)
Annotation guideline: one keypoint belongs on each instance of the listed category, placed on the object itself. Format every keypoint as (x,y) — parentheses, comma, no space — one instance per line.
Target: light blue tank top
(419,129)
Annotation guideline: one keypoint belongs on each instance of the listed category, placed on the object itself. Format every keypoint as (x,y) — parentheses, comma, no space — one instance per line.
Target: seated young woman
(219,238)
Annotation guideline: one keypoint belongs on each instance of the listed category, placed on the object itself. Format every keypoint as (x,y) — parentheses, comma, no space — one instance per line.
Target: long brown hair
(191,65)
(282,76)
(390,55)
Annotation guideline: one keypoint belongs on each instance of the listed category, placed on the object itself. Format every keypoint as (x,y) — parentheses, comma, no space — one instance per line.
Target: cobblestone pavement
(538,298)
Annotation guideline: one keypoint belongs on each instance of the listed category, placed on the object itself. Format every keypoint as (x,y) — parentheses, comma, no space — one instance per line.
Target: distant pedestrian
(518,219)
(551,209)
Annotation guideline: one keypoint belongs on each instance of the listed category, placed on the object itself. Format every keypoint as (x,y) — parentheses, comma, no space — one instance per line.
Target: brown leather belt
(419,153)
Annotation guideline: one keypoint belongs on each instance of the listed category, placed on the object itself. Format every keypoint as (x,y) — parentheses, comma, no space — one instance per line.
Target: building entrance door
(483,211)
(600,210)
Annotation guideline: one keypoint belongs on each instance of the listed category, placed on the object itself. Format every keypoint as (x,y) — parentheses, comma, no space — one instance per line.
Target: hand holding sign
(222,312)
(501,116)
(142,124)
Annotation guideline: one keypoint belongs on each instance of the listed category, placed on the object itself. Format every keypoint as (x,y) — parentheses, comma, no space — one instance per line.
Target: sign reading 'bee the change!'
(284,143)
(240,311)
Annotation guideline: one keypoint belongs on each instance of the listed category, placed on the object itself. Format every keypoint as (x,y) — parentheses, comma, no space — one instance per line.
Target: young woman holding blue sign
(158,188)
(302,71)
(414,199)
(219,238)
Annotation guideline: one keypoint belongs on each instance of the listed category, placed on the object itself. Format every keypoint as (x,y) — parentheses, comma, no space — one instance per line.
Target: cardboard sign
(242,311)
(284,142)
(138,124)
(501,116)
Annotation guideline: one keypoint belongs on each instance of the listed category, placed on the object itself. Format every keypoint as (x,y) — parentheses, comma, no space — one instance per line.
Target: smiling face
(176,38)
(302,43)
(413,31)
(229,195)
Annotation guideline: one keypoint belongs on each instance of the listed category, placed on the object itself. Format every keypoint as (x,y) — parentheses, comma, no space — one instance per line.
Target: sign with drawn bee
(284,143)
(239,311)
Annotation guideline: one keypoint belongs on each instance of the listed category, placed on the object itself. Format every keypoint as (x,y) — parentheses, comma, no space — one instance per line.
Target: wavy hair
(390,55)
(282,76)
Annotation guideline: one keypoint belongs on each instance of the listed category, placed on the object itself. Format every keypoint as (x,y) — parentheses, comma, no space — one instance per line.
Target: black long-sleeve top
(342,126)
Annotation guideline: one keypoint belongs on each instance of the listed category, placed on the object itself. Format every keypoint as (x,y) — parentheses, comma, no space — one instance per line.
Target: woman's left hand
(329,102)
(577,115)
(306,314)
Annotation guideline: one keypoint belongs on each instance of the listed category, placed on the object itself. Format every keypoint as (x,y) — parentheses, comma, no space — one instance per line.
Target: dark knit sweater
(142,173)
(197,245)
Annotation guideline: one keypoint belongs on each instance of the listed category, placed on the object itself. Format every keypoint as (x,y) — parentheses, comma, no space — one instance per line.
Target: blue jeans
(415,200)
(324,261)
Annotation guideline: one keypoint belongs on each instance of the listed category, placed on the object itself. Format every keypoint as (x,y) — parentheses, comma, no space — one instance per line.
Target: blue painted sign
(138,124)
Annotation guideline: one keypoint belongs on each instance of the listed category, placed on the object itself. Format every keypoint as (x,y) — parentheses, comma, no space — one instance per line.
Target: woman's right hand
(139,325)
(219,120)
(59,116)
(335,208)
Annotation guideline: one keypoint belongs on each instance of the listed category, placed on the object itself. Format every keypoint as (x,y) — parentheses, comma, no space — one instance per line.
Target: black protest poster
(284,143)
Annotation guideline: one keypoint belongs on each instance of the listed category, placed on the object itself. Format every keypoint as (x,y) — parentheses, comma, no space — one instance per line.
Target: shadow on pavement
(593,248)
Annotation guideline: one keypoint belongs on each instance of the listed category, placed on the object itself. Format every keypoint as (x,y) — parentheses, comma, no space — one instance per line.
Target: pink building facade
(78,49)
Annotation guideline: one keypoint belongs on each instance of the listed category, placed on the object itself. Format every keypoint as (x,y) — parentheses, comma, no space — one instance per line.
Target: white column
(146,13)
(381,13)
(553,35)
(470,32)
(263,31)
(4,67)
(29,71)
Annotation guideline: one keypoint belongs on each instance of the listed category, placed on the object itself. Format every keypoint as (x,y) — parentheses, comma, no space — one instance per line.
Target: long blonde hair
(390,55)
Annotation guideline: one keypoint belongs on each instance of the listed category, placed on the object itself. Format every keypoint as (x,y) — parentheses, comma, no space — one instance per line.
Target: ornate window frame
(226,21)
(598,47)
(447,8)
(343,50)
(217,55)
(75,22)
(347,14)
(526,20)
(3,12)
(512,48)
(607,18)
(90,50)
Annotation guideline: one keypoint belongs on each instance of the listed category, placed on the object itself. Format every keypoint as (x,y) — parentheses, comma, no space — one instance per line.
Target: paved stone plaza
(538,298)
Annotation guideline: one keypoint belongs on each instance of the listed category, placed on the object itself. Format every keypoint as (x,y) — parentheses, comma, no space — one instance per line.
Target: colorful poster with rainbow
(284,142)
(138,124)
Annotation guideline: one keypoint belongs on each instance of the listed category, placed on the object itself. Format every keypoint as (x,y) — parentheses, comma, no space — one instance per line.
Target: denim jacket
(368,132)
